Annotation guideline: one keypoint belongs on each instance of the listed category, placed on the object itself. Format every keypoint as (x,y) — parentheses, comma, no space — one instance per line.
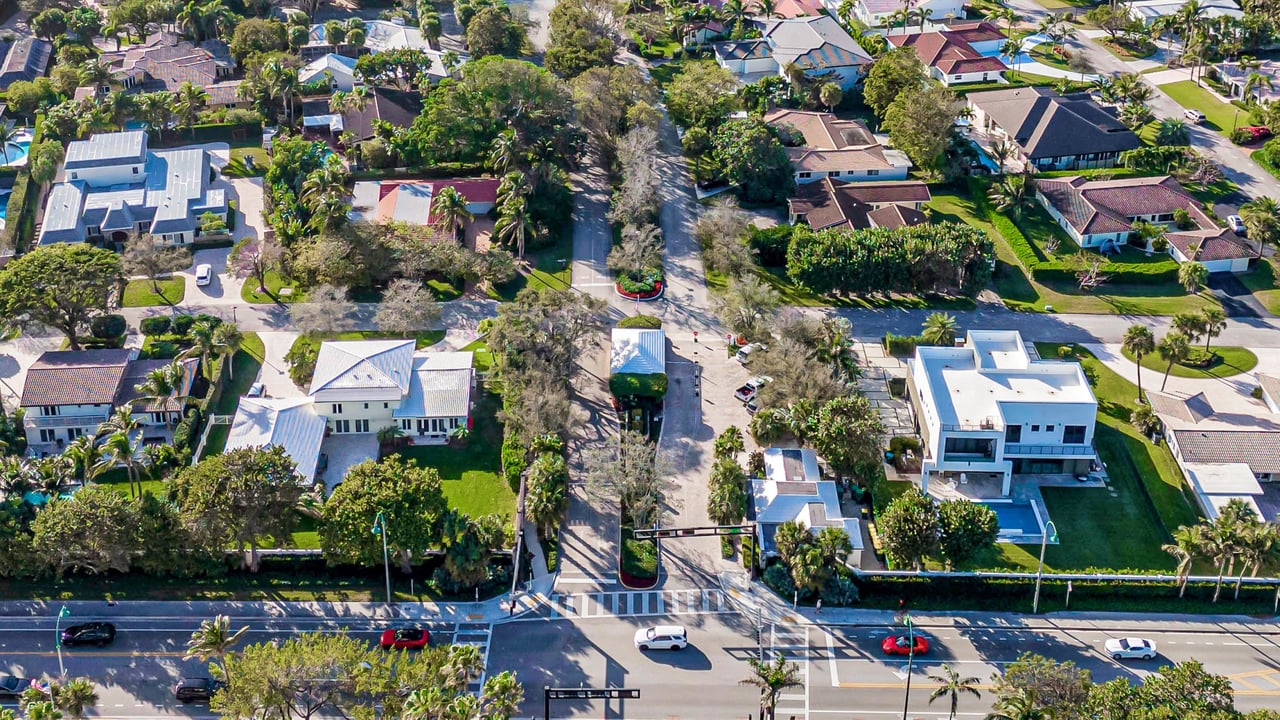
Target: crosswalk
(638,603)
(792,643)
(479,635)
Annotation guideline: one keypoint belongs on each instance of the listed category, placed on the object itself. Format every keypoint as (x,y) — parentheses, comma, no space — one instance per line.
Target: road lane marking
(831,659)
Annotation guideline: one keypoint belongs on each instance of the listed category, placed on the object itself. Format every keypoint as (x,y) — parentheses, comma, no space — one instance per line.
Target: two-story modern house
(114,187)
(991,406)
(364,386)
(831,147)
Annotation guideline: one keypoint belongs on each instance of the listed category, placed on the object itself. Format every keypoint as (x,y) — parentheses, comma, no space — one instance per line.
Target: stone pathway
(877,370)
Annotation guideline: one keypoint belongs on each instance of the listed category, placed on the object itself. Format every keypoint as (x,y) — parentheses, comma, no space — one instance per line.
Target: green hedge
(901,345)
(637,385)
(215,132)
(643,322)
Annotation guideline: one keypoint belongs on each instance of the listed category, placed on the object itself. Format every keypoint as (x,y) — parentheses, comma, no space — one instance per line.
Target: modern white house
(363,386)
(793,490)
(1101,214)
(836,148)
(409,201)
(70,393)
(114,187)
(291,423)
(339,70)
(991,406)
(818,45)
(380,36)
(878,12)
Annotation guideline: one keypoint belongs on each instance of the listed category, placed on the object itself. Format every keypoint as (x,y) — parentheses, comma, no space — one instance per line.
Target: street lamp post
(380,528)
(57,639)
(911,658)
(1050,532)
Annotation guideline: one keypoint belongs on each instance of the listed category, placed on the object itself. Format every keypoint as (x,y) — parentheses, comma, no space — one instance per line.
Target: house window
(48,436)
(386,405)
(872,173)
(135,169)
(342,426)
(957,77)
(1035,428)
(366,406)
(362,426)
(1164,217)
(834,174)
(1072,434)
(1013,434)
(75,176)
(453,423)
(805,175)
(337,409)
(49,410)
(1048,428)
(406,424)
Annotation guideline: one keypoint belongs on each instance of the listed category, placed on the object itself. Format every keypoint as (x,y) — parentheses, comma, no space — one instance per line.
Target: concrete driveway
(16,356)
(275,371)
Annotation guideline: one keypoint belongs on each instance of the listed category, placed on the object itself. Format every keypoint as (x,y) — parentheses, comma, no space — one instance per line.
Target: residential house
(830,203)
(837,148)
(1149,10)
(878,12)
(817,45)
(397,108)
(410,201)
(24,59)
(380,36)
(69,393)
(638,351)
(1052,131)
(291,423)
(961,54)
(338,70)
(1224,452)
(991,406)
(1236,77)
(793,489)
(1101,214)
(164,61)
(366,386)
(114,187)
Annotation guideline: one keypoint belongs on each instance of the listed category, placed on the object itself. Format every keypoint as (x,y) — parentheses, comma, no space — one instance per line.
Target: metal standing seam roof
(371,364)
(331,63)
(291,423)
(440,386)
(107,150)
(641,351)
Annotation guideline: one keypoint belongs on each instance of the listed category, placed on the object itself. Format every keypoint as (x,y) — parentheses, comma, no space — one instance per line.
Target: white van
(1194,116)
(744,352)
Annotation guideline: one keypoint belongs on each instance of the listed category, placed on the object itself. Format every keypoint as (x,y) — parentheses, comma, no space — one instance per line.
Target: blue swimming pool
(4,203)
(15,152)
(1017,519)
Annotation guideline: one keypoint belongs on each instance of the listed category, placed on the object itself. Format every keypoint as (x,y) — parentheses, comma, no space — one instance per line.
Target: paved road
(845,673)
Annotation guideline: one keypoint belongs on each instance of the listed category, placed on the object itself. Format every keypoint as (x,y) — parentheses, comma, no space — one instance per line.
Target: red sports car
(901,645)
(413,638)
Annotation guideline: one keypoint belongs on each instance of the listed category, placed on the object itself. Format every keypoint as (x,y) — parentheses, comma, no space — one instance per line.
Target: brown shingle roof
(831,203)
(1105,206)
(1046,124)
(86,377)
(1260,449)
(396,107)
(823,131)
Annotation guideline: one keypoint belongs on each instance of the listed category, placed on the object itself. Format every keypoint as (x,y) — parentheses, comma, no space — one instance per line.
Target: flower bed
(633,290)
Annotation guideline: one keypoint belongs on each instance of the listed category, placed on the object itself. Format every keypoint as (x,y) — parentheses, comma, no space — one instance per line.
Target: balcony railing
(68,420)
(983,424)
(1050,450)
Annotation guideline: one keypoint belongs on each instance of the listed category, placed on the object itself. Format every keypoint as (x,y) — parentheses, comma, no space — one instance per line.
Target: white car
(1236,223)
(1131,648)
(744,353)
(204,274)
(662,637)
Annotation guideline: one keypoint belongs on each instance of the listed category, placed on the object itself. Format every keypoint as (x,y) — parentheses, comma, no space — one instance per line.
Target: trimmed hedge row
(637,385)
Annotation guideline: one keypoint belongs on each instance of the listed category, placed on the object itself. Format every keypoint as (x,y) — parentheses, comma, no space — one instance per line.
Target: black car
(12,686)
(94,633)
(190,690)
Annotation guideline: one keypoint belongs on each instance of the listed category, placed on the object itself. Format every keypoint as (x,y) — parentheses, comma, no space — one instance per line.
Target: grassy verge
(472,472)
(1261,158)
(545,268)
(140,293)
(1232,361)
(795,295)
(1044,54)
(275,283)
(1261,281)
(1218,115)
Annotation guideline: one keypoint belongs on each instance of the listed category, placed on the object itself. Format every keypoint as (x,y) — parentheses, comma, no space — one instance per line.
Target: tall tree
(1138,341)
(255,257)
(1173,348)
(890,75)
(939,329)
(449,208)
(772,679)
(213,642)
(951,685)
(921,120)
(407,306)
(328,309)
(94,531)
(1212,322)
(411,502)
(965,530)
(1192,276)
(63,285)
(910,530)
(1261,218)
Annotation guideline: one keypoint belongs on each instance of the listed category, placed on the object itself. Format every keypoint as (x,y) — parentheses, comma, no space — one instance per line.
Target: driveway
(16,356)
(222,290)
(1236,299)
(275,371)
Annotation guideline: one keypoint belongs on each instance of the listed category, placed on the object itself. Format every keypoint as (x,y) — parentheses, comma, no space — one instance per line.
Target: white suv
(662,637)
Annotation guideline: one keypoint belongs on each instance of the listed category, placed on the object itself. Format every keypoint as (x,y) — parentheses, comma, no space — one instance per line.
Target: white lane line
(807,677)
(831,659)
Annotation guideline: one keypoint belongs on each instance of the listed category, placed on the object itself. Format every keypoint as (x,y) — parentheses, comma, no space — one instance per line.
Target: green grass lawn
(1234,360)
(140,293)
(545,268)
(245,366)
(1261,281)
(1044,53)
(1218,115)
(1261,158)
(472,473)
(275,282)
(444,291)
(483,359)
(236,167)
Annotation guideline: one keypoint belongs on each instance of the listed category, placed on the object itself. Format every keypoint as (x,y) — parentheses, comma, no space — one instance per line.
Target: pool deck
(1025,490)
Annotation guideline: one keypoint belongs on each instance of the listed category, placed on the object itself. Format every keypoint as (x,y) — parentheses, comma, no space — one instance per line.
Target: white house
(961,54)
(640,351)
(988,407)
(878,12)
(1149,10)
(291,423)
(380,36)
(114,187)
(837,148)
(793,490)
(818,45)
(1236,77)
(409,201)
(364,386)
(338,69)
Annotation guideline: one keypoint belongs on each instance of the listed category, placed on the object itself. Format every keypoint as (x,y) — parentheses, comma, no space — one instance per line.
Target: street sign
(668,533)
(592,693)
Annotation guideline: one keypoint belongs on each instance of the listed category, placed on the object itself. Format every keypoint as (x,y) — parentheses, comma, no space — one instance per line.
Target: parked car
(748,390)
(1131,648)
(412,638)
(201,690)
(745,352)
(902,645)
(1194,116)
(662,637)
(1236,223)
(753,406)
(12,686)
(1259,132)
(94,633)
(204,274)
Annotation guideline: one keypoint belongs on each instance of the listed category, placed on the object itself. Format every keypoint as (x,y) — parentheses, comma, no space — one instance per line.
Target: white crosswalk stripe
(792,643)
(477,634)
(638,603)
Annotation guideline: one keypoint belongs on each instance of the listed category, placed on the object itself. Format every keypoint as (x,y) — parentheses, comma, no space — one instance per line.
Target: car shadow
(690,658)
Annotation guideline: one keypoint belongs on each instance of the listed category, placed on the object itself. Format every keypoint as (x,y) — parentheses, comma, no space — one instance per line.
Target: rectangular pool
(1019,521)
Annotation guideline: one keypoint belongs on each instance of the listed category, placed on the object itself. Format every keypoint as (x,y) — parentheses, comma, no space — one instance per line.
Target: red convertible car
(901,645)
(412,638)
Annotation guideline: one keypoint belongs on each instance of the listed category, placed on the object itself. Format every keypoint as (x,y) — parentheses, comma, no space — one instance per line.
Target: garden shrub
(901,345)
(643,322)
(839,591)
(1066,352)
(106,327)
(771,244)
(549,443)
(163,350)
(187,431)
(302,360)
(778,578)
(900,444)
(514,461)
(749,552)
(181,324)
(158,325)
(637,385)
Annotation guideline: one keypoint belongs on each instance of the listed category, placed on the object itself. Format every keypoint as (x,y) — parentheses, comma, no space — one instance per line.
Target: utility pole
(911,657)
(380,528)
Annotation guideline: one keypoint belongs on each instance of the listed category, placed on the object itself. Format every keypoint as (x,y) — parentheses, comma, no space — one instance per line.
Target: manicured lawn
(1235,360)
(545,268)
(1261,158)
(236,167)
(245,365)
(1261,280)
(483,359)
(1044,53)
(1128,51)
(118,479)
(140,293)
(472,473)
(444,291)
(1218,115)
(275,281)
(793,294)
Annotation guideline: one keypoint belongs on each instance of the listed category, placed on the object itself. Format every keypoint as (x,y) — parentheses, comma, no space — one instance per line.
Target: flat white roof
(967,385)
(1215,503)
(1223,478)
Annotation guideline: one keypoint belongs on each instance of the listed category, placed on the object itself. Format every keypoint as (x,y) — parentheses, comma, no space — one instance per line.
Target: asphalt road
(846,675)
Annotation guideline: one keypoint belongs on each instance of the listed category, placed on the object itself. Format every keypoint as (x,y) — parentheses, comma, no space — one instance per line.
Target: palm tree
(950,683)
(514,224)
(1212,322)
(1172,131)
(939,329)
(503,152)
(227,339)
(450,210)
(214,641)
(188,103)
(1192,276)
(87,455)
(1187,542)
(735,12)
(1013,194)
(202,346)
(1021,705)
(772,678)
(74,696)
(1261,218)
(122,450)
(281,81)
(545,504)
(1173,348)
(1138,341)
(501,696)
(767,8)
(1255,81)
(1012,49)
(7,134)
(1001,151)
(161,383)
(1189,324)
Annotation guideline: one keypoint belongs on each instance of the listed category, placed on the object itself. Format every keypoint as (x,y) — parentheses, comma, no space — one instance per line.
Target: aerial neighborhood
(450,359)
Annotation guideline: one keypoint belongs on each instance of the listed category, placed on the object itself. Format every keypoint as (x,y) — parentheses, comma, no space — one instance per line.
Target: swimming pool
(15,152)
(1018,520)
(4,205)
